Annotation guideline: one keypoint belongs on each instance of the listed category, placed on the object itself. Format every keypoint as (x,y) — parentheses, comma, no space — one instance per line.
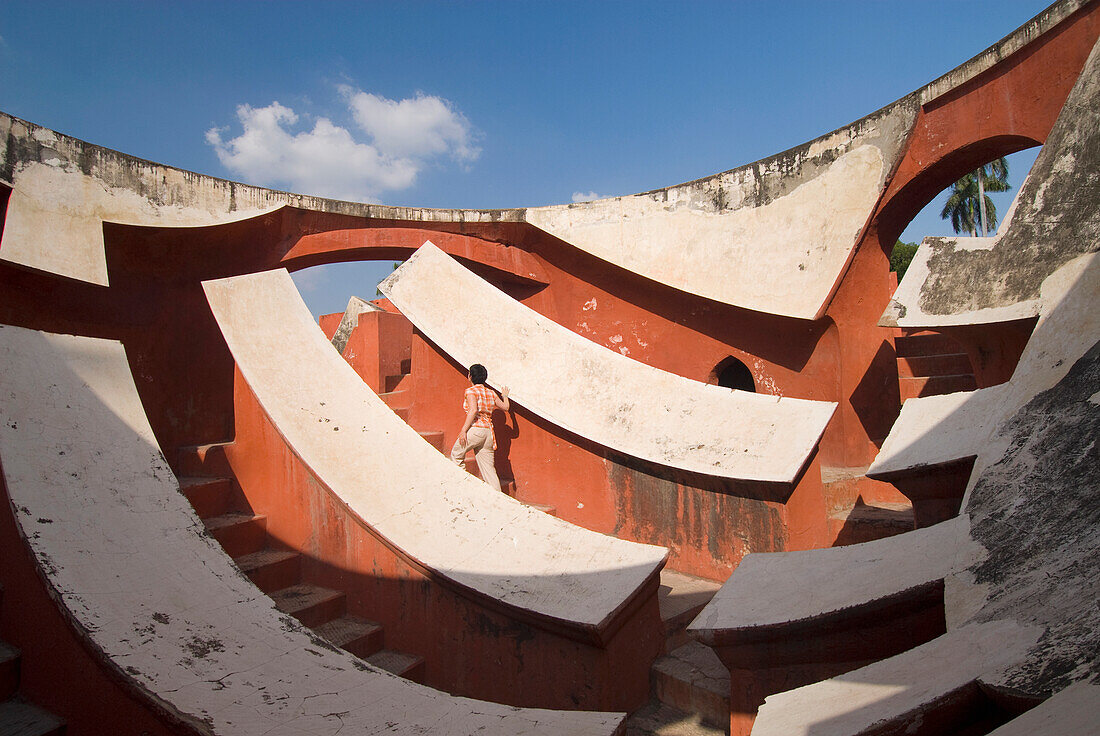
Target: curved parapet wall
(64,189)
(773,236)
(890,567)
(599,394)
(444,520)
(156,597)
(959,281)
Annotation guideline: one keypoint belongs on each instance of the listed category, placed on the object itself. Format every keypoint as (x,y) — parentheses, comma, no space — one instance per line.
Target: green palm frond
(962,205)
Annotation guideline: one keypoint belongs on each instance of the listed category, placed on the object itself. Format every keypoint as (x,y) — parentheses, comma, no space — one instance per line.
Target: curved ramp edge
(132,566)
(440,517)
(598,393)
(772,589)
(899,690)
(773,236)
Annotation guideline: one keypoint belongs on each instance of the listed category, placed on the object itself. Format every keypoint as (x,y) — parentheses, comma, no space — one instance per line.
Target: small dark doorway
(732,373)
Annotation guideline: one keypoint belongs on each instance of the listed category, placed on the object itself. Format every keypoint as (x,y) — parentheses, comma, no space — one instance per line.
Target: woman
(477,434)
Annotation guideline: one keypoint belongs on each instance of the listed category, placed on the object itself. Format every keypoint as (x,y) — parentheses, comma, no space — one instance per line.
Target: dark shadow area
(873,399)
(732,373)
(866,523)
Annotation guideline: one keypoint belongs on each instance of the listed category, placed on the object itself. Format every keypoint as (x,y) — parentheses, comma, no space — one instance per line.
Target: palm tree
(968,206)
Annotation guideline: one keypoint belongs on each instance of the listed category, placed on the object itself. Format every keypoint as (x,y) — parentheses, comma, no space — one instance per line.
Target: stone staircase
(930,364)
(18,717)
(690,685)
(206,482)
(852,519)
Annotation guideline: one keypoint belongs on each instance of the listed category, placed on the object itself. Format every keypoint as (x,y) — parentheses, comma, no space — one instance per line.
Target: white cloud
(586,196)
(328,161)
(311,280)
(419,127)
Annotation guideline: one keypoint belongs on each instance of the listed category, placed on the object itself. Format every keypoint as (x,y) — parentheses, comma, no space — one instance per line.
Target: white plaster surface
(773,588)
(350,320)
(900,689)
(781,257)
(134,569)
(935,430)
(1074,711)
(401,486)
(56,214)
(598,393)
(905,306)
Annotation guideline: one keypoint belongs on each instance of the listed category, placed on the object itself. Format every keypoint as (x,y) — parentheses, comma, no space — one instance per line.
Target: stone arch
(733,373)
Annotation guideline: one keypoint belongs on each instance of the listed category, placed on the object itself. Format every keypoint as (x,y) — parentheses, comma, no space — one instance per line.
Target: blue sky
(476,104)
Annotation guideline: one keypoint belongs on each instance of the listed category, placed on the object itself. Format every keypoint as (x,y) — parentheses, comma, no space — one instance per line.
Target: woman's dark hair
(478,374)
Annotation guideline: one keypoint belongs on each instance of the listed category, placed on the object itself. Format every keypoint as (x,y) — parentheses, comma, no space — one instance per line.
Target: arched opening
(732,373)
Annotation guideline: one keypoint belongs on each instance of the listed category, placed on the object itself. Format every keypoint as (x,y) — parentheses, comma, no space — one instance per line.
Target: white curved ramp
(597,393)
(132,567)
(773,236)
(431,510)
(772,589)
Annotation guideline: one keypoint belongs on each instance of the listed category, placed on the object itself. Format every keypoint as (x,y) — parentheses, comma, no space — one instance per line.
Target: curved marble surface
(133,567)
(405,490)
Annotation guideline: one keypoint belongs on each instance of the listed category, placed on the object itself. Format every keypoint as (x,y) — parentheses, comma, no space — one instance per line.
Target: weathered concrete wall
(772,236)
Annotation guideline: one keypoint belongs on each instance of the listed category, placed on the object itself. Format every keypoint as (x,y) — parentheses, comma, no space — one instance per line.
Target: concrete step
(9,670)
(203,460)
(691,678)
(310,604)
(435,439)
(866,522)
(659,719)
(507,485)
(239,533)
(357,635)
(543,507)
(928,343)
(392,382)
(208,496)
(911,388)
(18,718)
(397,399)
(409,666)
(935,365)
(680,599)
(271,569)
(403,413)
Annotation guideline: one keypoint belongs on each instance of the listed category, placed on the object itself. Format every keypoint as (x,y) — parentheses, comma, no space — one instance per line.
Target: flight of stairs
(18,717)
(930,364)
(690,685)
(207,484)
(851,518)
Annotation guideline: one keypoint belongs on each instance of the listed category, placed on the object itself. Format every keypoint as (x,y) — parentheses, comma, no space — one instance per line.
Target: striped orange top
(483,397)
